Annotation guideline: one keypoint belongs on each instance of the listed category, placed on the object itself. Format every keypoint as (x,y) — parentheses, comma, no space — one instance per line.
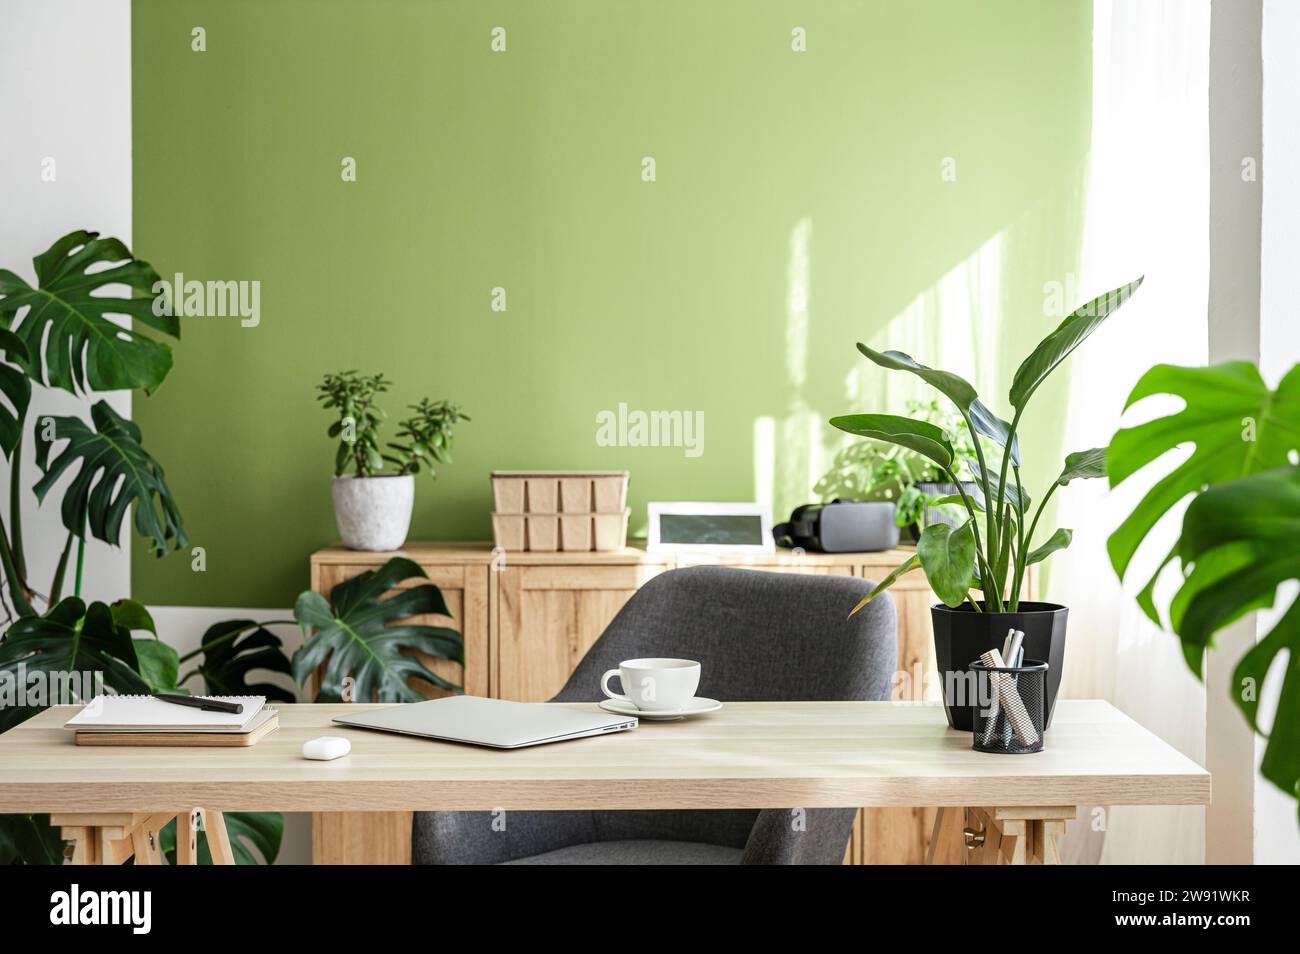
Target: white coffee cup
(655,685)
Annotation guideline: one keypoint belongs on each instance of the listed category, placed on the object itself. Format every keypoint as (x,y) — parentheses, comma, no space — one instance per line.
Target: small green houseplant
(1237,541)
(373,503)
(993,560)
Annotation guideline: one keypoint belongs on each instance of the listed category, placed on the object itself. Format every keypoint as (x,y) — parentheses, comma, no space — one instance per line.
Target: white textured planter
(373,513)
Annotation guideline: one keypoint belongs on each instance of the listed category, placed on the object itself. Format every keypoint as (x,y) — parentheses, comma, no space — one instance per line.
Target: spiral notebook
(147,714)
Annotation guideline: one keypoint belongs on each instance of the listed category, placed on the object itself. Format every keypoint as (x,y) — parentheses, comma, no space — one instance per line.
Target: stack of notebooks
(144,720)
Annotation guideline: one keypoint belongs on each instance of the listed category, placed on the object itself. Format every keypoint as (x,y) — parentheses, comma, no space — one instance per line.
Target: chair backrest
(758,636)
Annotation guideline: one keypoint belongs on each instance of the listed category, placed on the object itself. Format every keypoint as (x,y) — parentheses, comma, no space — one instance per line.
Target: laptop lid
(493,722)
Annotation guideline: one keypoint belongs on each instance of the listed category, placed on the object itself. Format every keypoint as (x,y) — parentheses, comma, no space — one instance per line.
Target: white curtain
(1147,213)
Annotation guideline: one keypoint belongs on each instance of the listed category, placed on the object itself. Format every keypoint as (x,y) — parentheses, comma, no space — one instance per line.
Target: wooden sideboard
(528,618)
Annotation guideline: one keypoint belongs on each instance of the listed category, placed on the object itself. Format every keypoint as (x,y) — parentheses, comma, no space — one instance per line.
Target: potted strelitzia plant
(977,567)
(373,502)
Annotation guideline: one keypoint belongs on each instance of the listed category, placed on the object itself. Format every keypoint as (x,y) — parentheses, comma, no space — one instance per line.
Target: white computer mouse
(326,747)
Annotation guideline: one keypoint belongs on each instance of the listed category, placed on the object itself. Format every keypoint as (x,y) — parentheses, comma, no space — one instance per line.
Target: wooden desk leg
(1016,836)
(187,836)
(218,839)
(85,844)
(146,839)
(112,838)
(98,838)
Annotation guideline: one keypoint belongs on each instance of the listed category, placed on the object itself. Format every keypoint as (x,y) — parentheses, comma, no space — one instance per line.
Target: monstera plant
(994,561)
(1238,539)
(60,333)
(358,637)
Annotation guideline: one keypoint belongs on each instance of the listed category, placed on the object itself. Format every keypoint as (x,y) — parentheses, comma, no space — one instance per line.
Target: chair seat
(636,852)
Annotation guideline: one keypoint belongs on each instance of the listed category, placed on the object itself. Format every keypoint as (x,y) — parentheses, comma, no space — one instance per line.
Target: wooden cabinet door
(547,617)
(385,837)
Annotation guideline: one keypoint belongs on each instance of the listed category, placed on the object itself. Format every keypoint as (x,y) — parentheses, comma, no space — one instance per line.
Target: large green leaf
(159,664)
(246,830)
(926,439)
(358,635)
(956,388)
(235,648)
(29,839)
(16,388)
(70,340)
(1281,761)
(1057,346)
(948,558)
(72,638)
(115,471)
(1237,426)
(1255,521)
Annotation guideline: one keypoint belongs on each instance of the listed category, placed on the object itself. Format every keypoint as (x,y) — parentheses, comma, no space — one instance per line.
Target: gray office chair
(759,637)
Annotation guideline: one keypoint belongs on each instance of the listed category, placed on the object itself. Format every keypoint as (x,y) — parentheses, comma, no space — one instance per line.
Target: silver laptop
(493,722)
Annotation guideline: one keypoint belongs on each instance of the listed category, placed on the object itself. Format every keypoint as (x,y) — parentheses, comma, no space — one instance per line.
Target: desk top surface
(748,755)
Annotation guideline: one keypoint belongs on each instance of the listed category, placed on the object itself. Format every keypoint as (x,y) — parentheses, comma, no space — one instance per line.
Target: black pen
(198,702)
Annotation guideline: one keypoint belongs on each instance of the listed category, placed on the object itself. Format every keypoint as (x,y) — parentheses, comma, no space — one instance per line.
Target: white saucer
(697,706)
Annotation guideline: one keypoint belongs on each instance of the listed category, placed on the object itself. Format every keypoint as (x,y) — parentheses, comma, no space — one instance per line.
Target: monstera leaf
(73,638)
(260,830)
(16,388)
(71,342)
(115,471)
(358,632)
(29,839)
(1235,424)
(1253,523)
(231,653)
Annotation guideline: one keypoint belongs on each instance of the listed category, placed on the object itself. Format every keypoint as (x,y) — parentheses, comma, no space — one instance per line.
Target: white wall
(65,94)
(1277,834)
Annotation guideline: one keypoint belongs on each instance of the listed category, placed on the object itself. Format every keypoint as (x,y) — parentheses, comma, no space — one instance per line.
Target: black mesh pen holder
(1011,707)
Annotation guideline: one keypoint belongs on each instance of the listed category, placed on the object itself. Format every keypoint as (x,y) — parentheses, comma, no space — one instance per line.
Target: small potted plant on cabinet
(372,506)
(991,561)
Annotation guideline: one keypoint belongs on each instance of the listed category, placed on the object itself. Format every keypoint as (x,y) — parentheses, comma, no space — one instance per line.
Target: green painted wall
(775,170)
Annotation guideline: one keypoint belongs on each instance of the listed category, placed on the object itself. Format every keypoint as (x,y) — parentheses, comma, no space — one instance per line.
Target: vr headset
(841,526)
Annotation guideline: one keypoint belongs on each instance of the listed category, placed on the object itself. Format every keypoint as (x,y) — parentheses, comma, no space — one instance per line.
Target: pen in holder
(1012,705)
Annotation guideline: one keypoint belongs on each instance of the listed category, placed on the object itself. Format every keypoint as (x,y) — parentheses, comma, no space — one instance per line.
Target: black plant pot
(961,635)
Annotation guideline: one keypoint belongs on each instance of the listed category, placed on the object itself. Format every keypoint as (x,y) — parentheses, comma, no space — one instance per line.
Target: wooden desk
(749,755)
(528,618)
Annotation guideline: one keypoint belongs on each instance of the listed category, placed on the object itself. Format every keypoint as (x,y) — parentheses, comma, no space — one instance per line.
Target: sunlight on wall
(953,325)
(784,472)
